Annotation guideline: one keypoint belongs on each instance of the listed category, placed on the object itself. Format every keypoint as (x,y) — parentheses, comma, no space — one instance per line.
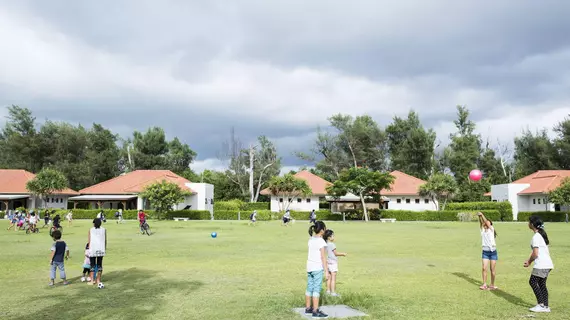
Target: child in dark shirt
(59,250)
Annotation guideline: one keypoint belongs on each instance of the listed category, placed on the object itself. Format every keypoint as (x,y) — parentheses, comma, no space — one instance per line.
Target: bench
(181,219)
(388,220)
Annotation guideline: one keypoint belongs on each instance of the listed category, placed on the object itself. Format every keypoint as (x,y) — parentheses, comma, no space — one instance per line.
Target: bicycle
(31,229)
(145,228)
(53,228)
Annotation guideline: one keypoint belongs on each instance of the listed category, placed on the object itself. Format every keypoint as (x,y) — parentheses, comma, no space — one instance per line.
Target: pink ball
(475,175)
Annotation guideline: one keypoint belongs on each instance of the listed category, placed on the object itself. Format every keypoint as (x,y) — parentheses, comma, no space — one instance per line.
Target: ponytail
(538,224)
(317,227)
(311,230)
(328,234)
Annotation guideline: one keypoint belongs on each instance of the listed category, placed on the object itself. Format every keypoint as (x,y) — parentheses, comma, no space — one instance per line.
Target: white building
(297,203)
(404,194)
(123,192)
(14,194)
(529,194)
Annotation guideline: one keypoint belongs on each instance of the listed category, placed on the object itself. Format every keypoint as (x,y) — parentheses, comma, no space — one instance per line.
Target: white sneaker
(536,308)
(334,294)
(544,309)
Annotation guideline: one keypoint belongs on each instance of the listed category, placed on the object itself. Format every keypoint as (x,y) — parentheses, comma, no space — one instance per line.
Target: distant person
(119,215)
(141,217)
(316,267)
(313,216)
(332,262)
(287,218)
(56,220)
(489,256)
(253,217)
(101,216)
(46,219)
(543,264)
(69,217)
(566,217)
(86,265)
(58,250)
(97,247)
(13,220)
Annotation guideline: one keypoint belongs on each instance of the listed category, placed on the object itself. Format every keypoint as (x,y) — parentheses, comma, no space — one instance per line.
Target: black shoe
(318,314)
(309,311)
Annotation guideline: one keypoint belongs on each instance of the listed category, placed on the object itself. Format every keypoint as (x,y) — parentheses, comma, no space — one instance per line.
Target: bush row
(547,216)
(237,205)
(446,215)
(504,208)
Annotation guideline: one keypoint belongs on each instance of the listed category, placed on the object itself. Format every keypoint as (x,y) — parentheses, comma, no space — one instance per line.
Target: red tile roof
(14,181)
(543,181)
(135,182)
(317,184)
(403,185)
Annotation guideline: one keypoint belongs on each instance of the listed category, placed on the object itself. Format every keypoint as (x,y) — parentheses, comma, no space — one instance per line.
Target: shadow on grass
(128,294)
(499,293)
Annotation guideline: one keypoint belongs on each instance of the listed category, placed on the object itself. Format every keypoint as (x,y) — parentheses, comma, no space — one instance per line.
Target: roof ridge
(106,181)
(409,175)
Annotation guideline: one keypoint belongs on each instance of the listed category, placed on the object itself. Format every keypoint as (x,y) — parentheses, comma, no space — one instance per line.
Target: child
(316,267)
(58,251)
(97,246)
(86,265)
(46,219)
(489,255)
(69,218)
(253,217)
(540,255)
(313,216)
(13,220)
(332,262)
(286,217)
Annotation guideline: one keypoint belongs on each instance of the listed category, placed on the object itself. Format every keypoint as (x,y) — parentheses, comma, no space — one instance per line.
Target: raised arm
(483,220)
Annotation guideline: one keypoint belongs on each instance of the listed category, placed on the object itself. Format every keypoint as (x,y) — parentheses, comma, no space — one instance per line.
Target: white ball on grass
(100,286)
(83,279)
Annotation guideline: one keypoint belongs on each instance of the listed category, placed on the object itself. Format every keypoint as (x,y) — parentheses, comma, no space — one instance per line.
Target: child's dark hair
(97,223)
(87,246)
(56,234)
(538,224)
(329,233)
(317,228)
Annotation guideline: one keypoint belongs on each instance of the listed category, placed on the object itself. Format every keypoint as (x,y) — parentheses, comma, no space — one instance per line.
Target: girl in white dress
(97,247)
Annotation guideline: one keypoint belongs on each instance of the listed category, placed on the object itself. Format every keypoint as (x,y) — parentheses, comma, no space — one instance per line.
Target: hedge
(547,216)
(256,206)
(191,214)
(237,205)
(446,215)
(504,208)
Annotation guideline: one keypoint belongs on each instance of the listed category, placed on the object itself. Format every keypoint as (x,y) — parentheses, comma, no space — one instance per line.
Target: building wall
(509,192)
(53,202)
(305,204)
(203,199)
(411,203)
(535,203)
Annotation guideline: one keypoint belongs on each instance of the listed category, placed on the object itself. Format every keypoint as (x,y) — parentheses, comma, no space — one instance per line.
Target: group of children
(21,220)
(540,257)
(94,253)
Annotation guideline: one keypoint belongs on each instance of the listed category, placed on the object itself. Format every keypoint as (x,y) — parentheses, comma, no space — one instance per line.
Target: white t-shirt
(97,244)
(33,220)
(331,257)
(488,239)
(314,259)
(543,261)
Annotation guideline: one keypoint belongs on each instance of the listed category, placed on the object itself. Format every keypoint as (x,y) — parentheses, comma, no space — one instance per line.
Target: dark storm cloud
(280,68)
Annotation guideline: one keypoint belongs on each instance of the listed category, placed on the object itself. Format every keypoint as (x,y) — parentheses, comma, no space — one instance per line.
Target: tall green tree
(19,143)
(562,144)
(288,187)
(440,188)
(534,152)
(411,146)
(362,182)
(348,143)
(47,182)
(224,188)
(561,195)
(490,165)
(164,195)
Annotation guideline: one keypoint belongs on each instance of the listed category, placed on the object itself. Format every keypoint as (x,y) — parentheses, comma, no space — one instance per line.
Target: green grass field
(393,271)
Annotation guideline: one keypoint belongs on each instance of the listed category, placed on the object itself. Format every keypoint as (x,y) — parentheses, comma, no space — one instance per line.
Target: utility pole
(251,160)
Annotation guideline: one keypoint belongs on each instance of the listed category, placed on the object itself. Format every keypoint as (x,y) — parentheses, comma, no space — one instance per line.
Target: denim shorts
(314,283)
(490,255)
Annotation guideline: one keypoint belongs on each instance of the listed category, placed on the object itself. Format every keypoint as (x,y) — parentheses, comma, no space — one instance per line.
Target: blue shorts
(314,283)
(490,255)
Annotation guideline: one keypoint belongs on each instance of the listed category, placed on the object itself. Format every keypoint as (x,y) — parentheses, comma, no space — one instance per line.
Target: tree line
(87,156)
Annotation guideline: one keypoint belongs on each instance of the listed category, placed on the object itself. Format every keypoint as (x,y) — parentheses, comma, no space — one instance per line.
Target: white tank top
(97,245)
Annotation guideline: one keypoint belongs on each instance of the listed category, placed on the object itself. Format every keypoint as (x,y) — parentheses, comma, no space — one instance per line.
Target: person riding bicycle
(141,217)
(56,221)
(32,221)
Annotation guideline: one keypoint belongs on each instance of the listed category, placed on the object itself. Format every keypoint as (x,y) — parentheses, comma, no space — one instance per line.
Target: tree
(47,182)
(349,142)
(164,195)
(534,152)
(411,147)
(562,144)
(362,182)
(440,188)
(225,189)
(561,195)
(288,187)
(19,143)
(251,169)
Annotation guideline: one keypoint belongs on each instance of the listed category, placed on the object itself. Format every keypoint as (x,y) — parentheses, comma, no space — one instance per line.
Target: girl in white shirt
(97,247)
(543,264)
(489,255)
(316,268)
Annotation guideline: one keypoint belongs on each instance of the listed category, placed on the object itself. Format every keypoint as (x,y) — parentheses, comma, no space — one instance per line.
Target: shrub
(447,215)
(256,206)
(547,216)
(191,214)
(505,208)
(234,205)
(262,215)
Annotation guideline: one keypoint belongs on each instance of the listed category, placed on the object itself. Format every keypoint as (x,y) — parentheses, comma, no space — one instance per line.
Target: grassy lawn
(393,271)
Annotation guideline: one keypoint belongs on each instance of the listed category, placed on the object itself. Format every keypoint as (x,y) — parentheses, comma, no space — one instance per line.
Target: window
(408,200)
(308,200)
(417,201)
(211,201)
(539,201)
(280,199)
(398,200)
(299,200)
(533,201)
(290,200)
(426,201)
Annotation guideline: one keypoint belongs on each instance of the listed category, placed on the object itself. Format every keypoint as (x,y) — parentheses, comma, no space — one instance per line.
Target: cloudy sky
(280,68)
